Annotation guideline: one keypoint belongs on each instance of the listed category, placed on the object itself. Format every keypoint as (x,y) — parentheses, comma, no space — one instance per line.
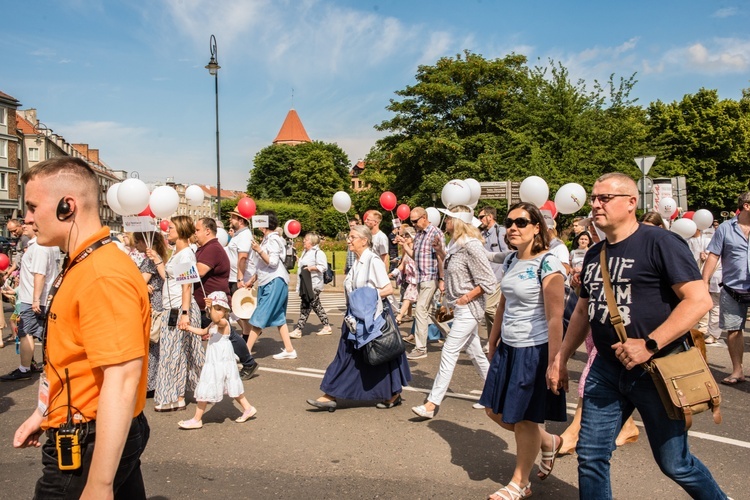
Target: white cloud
(720,55)
(725,12)
(599,62)
(43,52)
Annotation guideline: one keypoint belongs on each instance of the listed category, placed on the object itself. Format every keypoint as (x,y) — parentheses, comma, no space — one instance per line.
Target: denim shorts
(732,314)
(30,323)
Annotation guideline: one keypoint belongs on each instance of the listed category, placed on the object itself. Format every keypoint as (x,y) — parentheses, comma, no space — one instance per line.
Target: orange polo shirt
(100,316)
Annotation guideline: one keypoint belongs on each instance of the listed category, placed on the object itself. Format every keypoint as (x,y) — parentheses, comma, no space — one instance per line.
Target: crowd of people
(538,299)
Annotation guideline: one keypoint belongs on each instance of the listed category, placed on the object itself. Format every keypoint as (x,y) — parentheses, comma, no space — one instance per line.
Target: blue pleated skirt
(349,376)
(272,300)
(516,386)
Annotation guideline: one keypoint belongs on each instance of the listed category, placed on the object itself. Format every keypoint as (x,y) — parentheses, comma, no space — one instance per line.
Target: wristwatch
(652,346)
(184,311)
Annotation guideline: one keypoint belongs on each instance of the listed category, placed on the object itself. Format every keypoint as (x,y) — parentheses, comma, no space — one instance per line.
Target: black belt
(88,427)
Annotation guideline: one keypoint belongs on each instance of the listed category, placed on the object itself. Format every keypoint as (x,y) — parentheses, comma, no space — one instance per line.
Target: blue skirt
(271,309)
(349,376)
(516,386)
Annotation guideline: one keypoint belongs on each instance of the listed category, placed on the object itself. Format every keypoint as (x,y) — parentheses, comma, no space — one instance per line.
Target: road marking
(315,373)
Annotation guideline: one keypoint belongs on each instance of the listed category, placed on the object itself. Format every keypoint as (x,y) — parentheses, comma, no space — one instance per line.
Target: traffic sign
(644,163)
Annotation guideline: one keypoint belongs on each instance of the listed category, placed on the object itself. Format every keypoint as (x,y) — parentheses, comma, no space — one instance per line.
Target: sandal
(733,380)
(247,415)
(549,456)
(511,492)
(398,319)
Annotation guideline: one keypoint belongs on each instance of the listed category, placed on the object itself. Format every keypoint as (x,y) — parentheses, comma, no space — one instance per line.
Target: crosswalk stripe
(331,302)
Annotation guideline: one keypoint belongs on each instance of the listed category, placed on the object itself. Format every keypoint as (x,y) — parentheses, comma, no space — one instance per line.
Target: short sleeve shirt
(212,254)
(731,245)
(524,318)
(172,292)
(103,290)
(643,268)
(240,243)
(380,244)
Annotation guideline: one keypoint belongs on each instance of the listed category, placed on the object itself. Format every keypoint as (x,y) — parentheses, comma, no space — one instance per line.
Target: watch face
(652,346)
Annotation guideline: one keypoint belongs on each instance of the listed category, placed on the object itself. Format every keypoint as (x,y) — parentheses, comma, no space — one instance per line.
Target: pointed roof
(292,131)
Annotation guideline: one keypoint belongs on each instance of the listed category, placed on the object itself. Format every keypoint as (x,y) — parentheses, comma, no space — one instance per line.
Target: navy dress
(349,376)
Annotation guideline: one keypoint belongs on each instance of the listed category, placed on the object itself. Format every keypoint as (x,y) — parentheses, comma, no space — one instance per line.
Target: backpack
(290,260)
(327,274)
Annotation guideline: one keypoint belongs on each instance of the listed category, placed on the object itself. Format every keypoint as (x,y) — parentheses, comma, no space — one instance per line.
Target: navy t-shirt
(643,268)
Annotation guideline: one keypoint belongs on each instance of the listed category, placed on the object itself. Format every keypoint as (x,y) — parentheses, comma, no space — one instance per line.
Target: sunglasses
(413,221)
(520,222)
(605,198)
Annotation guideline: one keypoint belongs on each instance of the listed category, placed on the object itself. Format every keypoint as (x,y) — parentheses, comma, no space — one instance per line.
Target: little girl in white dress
(220,374)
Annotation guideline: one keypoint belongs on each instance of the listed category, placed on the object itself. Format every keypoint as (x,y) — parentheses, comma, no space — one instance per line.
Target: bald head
(624,183)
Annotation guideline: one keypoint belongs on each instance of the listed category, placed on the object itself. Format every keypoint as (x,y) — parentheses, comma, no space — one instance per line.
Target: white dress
(220,374)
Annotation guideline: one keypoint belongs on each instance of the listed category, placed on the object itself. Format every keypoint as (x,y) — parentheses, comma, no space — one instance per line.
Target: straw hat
(244,301)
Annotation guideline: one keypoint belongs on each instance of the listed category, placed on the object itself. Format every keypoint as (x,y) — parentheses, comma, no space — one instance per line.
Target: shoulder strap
(614,313)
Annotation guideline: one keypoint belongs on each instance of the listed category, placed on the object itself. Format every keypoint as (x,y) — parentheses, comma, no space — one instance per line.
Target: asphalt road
(294,451)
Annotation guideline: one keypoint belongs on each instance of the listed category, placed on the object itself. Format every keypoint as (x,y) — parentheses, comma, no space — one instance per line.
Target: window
(3,148)
(3,181)
(3,116)
(33,154)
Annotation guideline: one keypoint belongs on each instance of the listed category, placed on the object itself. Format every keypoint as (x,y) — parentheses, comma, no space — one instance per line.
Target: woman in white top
(310,266)
(273,287)
(524,340)
(349,376)
(181,354)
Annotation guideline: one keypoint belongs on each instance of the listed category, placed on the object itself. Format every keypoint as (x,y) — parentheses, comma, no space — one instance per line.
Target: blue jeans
(128,482)
(610,396)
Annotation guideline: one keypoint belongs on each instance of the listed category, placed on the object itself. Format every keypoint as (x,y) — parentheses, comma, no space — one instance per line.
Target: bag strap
(614,313)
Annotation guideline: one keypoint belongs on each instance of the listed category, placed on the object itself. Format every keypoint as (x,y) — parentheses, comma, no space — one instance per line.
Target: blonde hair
(461,228)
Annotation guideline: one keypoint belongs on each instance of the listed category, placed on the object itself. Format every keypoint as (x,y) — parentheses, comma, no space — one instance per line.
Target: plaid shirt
(425,243)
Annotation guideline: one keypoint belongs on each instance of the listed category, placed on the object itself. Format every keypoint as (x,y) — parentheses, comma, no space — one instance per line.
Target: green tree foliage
(309,173)
(708,141)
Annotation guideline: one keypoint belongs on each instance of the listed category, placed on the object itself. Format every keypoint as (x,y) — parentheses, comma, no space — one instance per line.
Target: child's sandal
(247,415)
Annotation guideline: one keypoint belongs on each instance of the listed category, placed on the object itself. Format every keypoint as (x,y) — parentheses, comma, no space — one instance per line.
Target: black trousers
(63,484)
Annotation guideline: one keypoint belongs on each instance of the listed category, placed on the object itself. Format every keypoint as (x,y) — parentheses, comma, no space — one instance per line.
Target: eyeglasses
(414,221)
(350,237)
(520,222)
(481,216)
(605,198)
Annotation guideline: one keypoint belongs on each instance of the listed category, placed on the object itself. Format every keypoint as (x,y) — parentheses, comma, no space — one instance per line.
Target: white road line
(315,373)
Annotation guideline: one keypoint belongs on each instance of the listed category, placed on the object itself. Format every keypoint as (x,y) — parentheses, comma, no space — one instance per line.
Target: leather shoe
(247,372)
(385,405)
(323,405)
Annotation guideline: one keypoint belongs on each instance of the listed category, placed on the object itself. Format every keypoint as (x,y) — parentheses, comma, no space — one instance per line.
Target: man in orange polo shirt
(94,384)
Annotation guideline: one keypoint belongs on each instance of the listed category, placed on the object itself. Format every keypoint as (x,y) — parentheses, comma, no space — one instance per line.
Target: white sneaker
(477,406)
(286,355)
(295,334)
(326,330)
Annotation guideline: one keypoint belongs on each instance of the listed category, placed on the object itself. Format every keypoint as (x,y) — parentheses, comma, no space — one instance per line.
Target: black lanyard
(58,282)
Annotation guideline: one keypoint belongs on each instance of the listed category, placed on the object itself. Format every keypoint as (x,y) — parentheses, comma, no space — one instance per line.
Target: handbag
(684,382)
(156,320)
(442,313)
(740,296)
(389,345)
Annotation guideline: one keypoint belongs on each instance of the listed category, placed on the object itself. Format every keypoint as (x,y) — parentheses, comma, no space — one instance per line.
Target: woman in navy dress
(349,376)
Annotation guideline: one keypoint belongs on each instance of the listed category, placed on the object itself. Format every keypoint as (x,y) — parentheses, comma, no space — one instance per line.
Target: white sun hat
(244,301)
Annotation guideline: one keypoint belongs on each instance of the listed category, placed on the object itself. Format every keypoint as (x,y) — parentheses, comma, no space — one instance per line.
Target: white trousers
(464,335)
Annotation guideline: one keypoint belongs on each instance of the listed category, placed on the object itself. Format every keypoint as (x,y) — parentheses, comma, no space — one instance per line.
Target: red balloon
(164,225)
(675,214)
(294,228)
(4,262)
(688,215)
(403,211)
(388,200)
(147,212)
(550,205)
(246,207)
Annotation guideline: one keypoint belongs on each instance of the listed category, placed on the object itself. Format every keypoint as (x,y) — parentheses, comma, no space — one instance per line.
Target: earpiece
(64,211)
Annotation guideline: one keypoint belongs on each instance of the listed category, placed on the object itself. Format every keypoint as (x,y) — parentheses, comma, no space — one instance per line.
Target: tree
(708,141)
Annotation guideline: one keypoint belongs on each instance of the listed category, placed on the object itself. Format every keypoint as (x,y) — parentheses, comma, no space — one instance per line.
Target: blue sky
(127,76)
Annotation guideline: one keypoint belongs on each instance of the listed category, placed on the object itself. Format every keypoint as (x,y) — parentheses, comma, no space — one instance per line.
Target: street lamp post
(213,69)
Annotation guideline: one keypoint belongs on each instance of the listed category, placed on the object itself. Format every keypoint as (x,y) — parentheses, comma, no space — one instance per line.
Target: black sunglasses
(520,222)
(414,221)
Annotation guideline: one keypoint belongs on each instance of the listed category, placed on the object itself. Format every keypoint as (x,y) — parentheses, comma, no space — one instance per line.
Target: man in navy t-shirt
(660,296)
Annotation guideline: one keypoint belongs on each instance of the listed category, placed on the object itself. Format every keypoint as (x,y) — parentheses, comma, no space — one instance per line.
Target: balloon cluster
(132,197)
(691,222)
(461,192)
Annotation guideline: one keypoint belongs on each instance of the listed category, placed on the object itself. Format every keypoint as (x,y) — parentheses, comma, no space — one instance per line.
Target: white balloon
(433,216)
(164,201)
(342,201)
(112,199)
(667,206)
(476,190)
(133,196)
(456,192)
(194,195)
(570,198)
(703,219)
(534,190)
(684,227)
(222,235)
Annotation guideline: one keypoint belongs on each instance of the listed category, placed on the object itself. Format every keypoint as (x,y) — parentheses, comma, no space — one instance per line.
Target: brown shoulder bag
(683,380)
